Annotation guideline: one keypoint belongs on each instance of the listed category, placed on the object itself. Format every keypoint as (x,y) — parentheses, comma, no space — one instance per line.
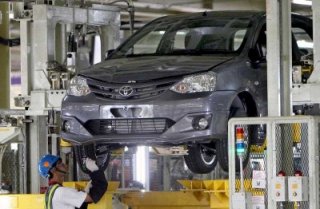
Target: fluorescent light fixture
(302,2)
(305,44)
(141,161)
(11,15)
(181,33)
(14,146)
(97,49)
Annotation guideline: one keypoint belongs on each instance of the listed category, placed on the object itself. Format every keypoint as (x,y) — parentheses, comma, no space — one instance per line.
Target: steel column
(166,173)
(315,76)
(286,57)
(25,60)
(313,157)
(37,147)
(273,57)
(279,57)
(5,57)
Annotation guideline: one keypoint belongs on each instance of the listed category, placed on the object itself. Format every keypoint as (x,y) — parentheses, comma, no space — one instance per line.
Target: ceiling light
(302,2)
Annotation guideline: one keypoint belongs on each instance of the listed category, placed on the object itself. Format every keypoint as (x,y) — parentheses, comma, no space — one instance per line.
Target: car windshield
(204,35)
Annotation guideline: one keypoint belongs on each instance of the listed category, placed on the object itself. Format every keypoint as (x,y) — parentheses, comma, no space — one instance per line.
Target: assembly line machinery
(49,43)
(43,47)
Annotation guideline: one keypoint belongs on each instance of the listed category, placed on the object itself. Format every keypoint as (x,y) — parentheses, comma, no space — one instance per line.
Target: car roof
(190,16)
(234,13)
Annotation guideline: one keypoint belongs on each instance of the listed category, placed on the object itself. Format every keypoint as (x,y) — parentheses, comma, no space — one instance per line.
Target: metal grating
(257,162)
(11,169)
(141,90)
(292,146)
(129,126)
(292,152)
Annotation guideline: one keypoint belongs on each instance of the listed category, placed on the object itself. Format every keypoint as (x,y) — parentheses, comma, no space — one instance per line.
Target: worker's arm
(88,199)
(98,181)
(87,190)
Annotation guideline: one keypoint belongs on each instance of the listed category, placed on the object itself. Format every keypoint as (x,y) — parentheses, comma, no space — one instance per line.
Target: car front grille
(138,90)
(129,126)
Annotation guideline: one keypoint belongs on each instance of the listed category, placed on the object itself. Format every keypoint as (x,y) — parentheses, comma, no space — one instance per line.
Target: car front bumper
(170,120)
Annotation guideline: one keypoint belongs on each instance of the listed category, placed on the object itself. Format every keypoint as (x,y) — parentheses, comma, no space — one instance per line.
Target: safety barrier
(284,170)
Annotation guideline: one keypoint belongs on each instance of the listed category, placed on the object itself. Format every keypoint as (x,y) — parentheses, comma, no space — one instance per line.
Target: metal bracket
(10,42)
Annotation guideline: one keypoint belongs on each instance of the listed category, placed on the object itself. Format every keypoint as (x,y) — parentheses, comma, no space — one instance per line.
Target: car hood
(150,68)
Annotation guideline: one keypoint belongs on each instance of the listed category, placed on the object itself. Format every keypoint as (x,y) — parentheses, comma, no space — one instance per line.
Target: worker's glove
(91,165)
(88,187)
(99,185)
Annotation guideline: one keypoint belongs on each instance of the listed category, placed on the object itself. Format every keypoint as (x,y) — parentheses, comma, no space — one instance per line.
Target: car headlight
(197,83)
(78,87)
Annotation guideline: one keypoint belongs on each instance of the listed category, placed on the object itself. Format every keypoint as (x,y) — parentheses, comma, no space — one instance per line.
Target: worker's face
(60,171)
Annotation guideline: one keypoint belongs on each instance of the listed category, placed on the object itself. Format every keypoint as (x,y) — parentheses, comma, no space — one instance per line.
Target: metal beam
(5,57)
(25,42)
(315,76)
(273,57)
(286,58)
(37,146)
(45,20)
(259,5)
(279,57)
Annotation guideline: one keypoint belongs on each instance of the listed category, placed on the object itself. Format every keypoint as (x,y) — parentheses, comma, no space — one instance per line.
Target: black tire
(237,109)
(201,158)
(99,153)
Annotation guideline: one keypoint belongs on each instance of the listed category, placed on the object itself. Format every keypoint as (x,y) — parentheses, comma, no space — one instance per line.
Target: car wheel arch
(250,102)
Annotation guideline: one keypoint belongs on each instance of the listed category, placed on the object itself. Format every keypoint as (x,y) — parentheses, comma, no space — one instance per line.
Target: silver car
(175,83)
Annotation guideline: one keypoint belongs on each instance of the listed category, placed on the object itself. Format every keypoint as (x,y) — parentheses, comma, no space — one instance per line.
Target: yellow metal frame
(197,194)
(204,194)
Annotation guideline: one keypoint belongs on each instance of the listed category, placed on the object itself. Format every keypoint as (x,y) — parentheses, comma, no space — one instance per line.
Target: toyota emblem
(125,91)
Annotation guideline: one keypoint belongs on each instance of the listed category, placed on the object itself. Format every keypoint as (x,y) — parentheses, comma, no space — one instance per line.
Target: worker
(60,197)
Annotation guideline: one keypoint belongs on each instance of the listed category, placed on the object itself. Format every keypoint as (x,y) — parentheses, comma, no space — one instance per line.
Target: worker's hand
(88,187)
(91,165)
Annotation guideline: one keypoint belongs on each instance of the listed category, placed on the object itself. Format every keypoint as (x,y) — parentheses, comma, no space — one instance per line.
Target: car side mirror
(109,53)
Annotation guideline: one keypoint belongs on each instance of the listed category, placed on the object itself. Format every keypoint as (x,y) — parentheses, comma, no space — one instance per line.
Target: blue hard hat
(46,163)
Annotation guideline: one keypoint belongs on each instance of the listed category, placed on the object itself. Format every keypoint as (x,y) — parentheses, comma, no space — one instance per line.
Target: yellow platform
(197,194)
(204,194)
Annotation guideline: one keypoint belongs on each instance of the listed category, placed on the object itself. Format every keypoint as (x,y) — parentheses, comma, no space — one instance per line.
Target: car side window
(185,39)
(302,44)
(149,43)
(238,39)
(304,41)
